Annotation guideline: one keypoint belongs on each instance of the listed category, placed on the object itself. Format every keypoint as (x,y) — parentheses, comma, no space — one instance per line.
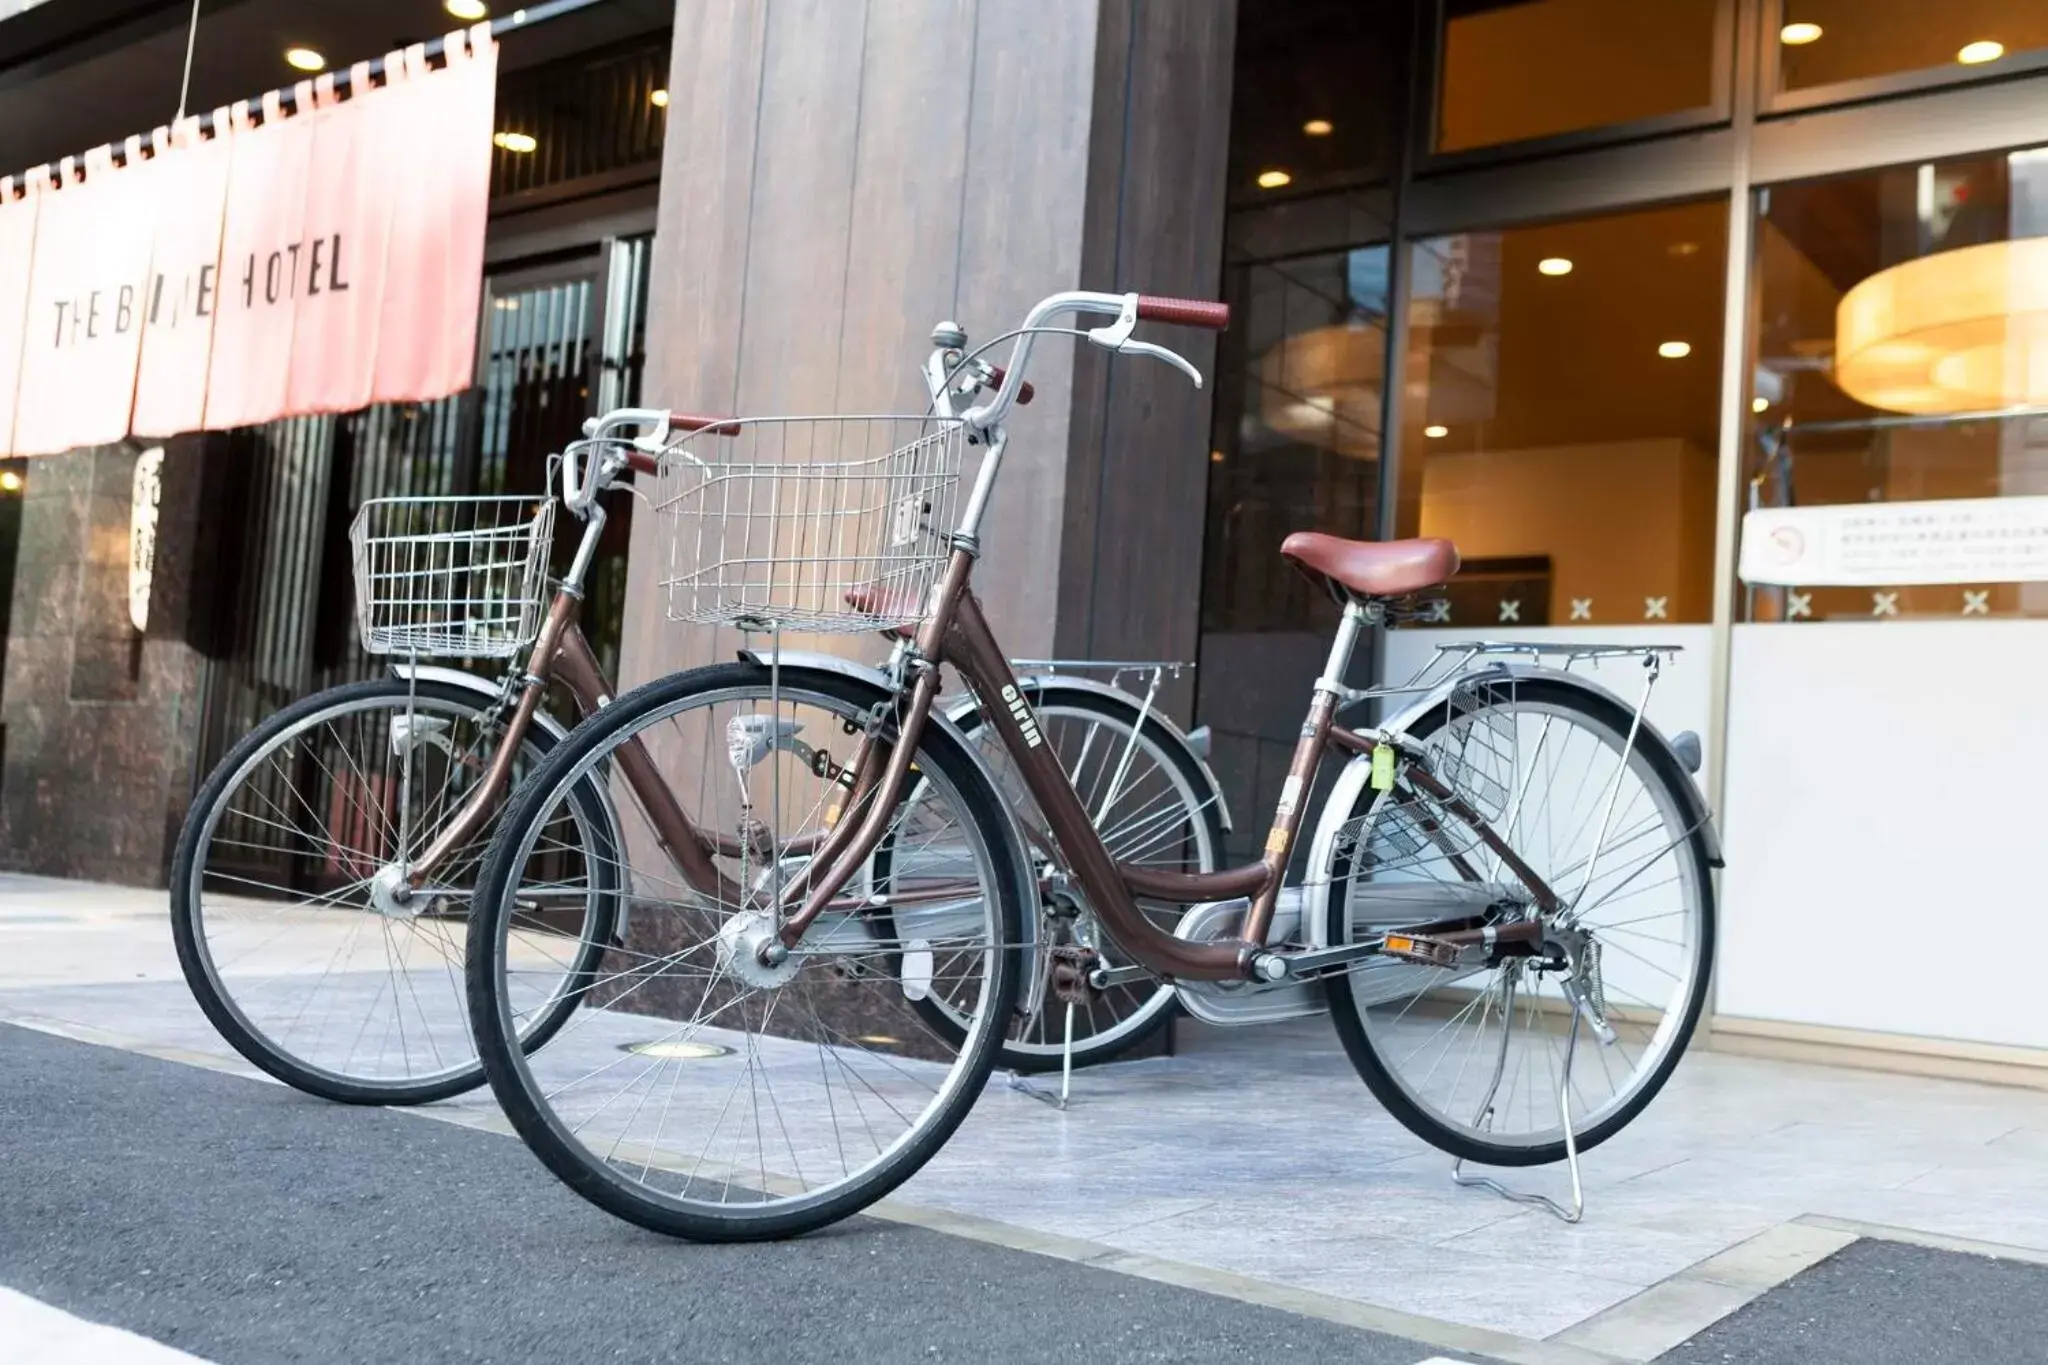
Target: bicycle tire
(212,993)
(1348,1015)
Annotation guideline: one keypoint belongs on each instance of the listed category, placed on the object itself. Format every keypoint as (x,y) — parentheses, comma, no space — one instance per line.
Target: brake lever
(1173,358)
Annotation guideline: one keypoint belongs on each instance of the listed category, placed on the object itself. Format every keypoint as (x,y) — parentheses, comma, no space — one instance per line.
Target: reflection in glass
(1826,42)
(1315,96)
(1958,414)
(1575,468)
(1536,68)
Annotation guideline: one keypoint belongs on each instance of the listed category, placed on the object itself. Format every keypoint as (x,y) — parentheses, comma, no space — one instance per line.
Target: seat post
(1357,616)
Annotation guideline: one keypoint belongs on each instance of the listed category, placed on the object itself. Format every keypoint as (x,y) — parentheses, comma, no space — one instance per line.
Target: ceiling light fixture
(468,10)
(521,143)
(10,482)
(658,98)
(1435,432)
(1674,350)
(1274,179)
(1318,127)
(1799,35)
(1759,404)
(1684,248)
(1982,51)
(1555,265)
(304,59)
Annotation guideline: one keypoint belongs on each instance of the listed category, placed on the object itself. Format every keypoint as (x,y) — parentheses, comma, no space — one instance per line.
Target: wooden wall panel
(1137,473)
(842,174)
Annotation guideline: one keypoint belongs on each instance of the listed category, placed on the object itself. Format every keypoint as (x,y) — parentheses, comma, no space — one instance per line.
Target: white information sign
(1888,544)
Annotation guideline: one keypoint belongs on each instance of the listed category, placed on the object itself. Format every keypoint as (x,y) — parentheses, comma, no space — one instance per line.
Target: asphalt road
(244,1222)
(1883,1303)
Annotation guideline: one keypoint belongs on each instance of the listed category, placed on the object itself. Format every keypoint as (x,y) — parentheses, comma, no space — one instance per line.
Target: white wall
(1885,828)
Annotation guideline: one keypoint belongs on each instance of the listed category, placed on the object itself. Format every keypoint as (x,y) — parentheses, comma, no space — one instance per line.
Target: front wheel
(1473,1059)
(712,1087)
(281,909)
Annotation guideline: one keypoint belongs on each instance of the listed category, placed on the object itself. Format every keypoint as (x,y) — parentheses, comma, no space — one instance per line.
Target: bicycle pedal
(1433,952)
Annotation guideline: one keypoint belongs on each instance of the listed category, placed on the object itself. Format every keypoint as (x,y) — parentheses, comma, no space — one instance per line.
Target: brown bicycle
(326,862)
(1507,905)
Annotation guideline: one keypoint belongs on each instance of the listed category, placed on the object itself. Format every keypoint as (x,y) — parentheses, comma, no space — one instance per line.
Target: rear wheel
(280,890)
(1473,1060)
(1154,807)
(712,1088)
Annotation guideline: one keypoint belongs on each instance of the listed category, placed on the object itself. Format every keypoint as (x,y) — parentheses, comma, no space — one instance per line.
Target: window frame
(1429,105)
(1773,102)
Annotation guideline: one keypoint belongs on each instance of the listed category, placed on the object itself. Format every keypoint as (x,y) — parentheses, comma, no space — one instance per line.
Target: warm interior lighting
(1981,51)
(658,98)
(1759,404)
(1958,331)
(1318,127)
(1274,179)
(466,10)
(1798,35)
(1683,249)
(10,482)
(679,1051)
(514,142)
(1215,457)
(304,59)
(1674,350)
(1554,265)
(1435,432)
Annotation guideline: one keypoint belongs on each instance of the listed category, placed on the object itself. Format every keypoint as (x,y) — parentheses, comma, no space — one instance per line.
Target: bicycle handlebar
(640,453)
(1128,309)
(1186,312)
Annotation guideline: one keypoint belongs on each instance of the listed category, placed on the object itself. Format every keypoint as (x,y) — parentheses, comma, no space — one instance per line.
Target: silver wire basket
(455,578)
(832,525)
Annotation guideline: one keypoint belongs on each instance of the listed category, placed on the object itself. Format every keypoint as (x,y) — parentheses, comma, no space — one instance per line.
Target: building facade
(1560,279)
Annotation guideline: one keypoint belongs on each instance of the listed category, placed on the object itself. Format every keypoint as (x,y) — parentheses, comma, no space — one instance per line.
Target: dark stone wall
(99,717)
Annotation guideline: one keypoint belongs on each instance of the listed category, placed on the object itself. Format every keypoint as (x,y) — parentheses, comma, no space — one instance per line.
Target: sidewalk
(1258,1167)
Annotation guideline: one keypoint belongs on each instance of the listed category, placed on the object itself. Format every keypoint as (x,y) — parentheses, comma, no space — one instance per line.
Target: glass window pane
(1929,383)
(1560,415)
(1825,42)
(1534,68)
(1316,95)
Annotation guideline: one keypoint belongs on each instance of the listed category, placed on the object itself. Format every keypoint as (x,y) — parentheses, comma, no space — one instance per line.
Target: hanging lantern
(1959,331)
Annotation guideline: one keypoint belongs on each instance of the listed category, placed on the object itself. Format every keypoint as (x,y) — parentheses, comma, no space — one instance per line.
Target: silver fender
(820,661)
(1198,751)
(1358,772)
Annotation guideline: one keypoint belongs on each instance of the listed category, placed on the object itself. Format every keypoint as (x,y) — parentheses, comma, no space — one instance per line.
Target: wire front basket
(820,524)
(456,578)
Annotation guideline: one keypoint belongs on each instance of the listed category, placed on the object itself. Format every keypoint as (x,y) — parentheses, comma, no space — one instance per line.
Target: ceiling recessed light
(1555,265)
(1318,127)
(1674,350)
(304,59)
(514,142)
(1274,179)
(1759,404)
(466,9)
(1215,457)
(658,98)
(1798,35)
(10,482)
(1981,51)
(1435,432)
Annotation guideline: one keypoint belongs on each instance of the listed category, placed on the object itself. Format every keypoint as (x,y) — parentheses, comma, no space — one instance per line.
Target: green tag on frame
(1382,767)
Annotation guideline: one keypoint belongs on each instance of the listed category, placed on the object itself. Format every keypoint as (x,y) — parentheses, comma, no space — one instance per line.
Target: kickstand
(1059,1101)
(1564,1114)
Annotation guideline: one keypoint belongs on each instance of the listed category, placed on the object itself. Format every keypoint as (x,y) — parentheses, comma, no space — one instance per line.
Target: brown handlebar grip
(1186,312)
(642,462)
(715,426)
(997,374)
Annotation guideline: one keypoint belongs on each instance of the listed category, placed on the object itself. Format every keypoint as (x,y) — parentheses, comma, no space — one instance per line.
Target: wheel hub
(750,951)
(391,893)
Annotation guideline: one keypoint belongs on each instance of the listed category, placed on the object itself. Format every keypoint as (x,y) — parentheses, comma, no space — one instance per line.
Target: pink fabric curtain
(84,328)
(17,252)
(314,263)
(182,295)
